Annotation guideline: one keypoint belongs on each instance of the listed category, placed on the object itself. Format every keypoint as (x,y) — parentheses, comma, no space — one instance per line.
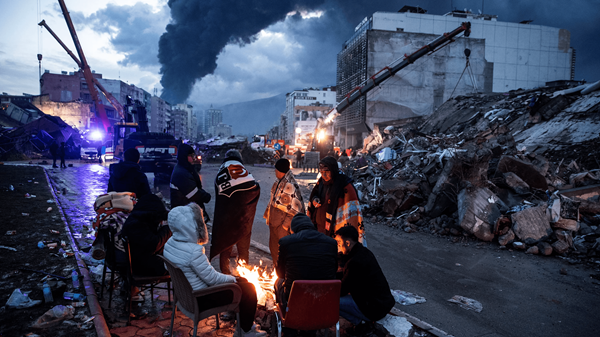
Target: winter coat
(127,176)
(184,250)
(145,237)
(186,185)
(306,254)
(286,201)
(363,279)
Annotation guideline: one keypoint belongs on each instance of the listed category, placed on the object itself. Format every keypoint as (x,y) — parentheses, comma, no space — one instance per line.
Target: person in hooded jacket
(306,254)
(147,236)
(333,202)
(127,176)
(186,251)
(186,185)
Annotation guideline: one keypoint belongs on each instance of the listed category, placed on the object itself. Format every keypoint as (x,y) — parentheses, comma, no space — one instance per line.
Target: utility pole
(39,56)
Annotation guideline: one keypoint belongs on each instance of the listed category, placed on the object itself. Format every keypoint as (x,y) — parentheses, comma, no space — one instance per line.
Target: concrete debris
(520,168)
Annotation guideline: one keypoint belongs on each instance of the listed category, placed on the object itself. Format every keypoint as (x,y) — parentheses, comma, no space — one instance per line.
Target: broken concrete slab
(515,183)
(568,224)
(545,248)
(532,250)
(478,212)
(531,225)
(560,247)
(526,171)
(507,238)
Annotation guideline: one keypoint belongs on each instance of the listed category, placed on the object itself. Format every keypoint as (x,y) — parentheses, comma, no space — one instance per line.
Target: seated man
(365,294)
(306,254)
(127,176)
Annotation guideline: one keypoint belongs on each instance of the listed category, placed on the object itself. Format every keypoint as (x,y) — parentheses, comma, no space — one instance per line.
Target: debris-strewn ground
(519,168)
(34,219)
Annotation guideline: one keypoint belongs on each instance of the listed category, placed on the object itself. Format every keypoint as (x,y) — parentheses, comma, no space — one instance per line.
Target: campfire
(263,281)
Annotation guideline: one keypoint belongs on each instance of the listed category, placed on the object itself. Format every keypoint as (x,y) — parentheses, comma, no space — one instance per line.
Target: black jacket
(306,254)
(127,176)
(364,280)
(145,238)
(186,185)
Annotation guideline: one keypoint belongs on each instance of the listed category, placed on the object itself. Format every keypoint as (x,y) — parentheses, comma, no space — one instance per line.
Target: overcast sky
(228,51)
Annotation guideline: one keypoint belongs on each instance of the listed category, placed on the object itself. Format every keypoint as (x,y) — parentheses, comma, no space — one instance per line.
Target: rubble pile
(519,168)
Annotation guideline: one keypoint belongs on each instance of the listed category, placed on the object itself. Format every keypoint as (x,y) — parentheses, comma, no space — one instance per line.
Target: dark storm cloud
(201,29)
(134,31)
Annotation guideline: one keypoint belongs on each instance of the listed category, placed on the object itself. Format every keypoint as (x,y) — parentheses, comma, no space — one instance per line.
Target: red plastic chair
(312,305)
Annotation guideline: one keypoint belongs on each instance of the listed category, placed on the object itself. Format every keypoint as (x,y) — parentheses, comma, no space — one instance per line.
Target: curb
(95,309)
(419,323)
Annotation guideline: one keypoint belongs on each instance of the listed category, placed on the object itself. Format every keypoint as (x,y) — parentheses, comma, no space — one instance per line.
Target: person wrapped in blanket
(333,202)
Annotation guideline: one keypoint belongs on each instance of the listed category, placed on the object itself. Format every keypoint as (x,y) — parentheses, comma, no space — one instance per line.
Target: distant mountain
(253,117)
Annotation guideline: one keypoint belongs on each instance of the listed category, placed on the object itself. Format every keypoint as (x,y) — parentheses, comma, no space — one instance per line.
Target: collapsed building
(520,168)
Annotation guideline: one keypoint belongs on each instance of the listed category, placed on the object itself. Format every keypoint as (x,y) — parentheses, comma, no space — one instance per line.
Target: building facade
(501,56)
(306,97)
(212,118)
(160,112)
(220,130)
(191,120)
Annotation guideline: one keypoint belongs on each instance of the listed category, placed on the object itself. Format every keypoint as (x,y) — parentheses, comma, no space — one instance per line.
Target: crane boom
(390,70)
(113,101)
(87,73)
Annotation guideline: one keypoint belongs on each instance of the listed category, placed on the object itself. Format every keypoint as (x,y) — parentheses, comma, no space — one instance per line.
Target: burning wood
(263,281)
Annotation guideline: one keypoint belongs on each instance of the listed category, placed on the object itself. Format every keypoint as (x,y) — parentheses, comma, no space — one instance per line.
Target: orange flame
(262,281)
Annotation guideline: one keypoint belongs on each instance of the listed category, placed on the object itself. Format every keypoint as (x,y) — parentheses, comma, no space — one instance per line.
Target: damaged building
(519,168)
(497,57)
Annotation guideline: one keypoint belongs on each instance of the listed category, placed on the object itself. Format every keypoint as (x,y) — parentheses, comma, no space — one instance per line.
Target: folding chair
(185,298)
(142,282)
(312,305)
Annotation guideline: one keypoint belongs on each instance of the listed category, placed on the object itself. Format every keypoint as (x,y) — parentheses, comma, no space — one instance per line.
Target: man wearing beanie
(285,202)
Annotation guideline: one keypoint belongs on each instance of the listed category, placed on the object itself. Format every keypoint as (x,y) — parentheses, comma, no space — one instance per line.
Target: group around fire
(323,240)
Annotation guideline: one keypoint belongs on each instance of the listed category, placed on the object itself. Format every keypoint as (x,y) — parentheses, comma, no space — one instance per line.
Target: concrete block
(478,212)
(516,183)
(397,326)
(507,238)
(532,250)
(560,247)
(531,225)
(519,245)
(545,248)
(526,171)
(568,224)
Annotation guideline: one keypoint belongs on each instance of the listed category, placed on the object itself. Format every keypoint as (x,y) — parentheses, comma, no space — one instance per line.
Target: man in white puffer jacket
(184,249)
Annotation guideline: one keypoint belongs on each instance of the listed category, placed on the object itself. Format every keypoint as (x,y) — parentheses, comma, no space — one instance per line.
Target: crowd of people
(320,239)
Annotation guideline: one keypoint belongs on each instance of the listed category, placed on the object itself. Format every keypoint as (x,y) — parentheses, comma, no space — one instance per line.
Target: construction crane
(387,72)
(84,66)
(113,101)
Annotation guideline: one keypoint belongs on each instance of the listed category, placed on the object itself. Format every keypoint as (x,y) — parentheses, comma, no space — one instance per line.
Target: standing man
(304,255)
(298,154)
(54,153)
(365,294)
(127,176)
(237,195)
(62,152)
(286,201)
(186,185)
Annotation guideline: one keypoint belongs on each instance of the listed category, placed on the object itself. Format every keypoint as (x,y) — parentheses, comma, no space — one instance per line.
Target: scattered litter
(54,317)
(406,298)
(25,214)
(78,304)
(20,300)
(458,264)
(52,231)
(49,201)
(40,244)
(52,245)
(9,248)
(12,188)
(396,325)
(466,303)
(13,232)
(49,209)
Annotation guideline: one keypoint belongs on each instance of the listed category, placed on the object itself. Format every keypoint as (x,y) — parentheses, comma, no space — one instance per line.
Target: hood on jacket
(119,170)
(183,151)
(150,208)
(187,224)
(301,222)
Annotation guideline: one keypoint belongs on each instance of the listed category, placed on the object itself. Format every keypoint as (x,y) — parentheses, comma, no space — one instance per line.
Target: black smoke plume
(201,29)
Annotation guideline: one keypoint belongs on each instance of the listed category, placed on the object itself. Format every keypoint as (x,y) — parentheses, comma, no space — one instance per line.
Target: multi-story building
(221,130)
(160,113)
(306,97)
(502,56)
(191,120)
(212,118)
(178,125)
